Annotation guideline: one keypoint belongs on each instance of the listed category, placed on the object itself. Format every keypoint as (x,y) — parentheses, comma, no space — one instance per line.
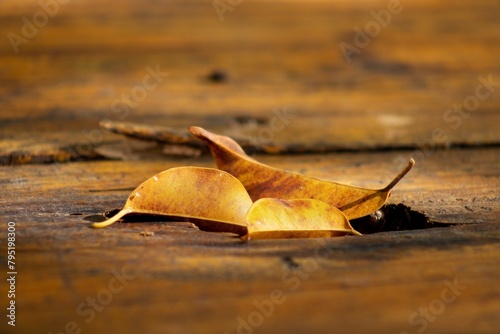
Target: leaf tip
(111,220)
(196,130)
(354,232)
(401,174)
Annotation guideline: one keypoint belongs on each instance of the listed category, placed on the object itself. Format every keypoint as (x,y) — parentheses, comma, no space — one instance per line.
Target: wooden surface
(371,114)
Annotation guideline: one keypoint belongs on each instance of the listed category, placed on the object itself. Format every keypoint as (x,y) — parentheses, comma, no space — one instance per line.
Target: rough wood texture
(266,55)
(395,92)
(187,280)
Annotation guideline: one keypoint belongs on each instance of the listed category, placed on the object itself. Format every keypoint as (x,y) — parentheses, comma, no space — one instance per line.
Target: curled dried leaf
(262,181)
(212,199)
(271,218)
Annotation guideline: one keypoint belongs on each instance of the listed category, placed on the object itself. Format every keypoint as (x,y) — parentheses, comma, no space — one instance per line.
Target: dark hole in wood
(94,218)
(393,217)
(217,76)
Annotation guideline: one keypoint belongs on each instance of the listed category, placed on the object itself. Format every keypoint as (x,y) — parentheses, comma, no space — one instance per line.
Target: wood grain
(392,96)
(187,280)
(394,93)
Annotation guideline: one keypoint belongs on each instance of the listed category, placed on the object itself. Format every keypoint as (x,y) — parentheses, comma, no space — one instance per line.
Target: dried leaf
(271,218)
(212,199)
(263,181)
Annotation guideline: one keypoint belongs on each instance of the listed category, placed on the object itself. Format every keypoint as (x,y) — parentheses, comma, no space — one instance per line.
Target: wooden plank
(186,280)
(396,92)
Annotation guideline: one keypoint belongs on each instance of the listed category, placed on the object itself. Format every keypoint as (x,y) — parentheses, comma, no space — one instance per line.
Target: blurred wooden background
(63,72)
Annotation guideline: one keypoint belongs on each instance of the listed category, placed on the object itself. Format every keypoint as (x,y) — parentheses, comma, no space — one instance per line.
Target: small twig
(161,134)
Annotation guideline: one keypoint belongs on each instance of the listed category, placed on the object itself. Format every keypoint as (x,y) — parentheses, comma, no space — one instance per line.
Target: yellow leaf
(262,181)
(212,199)
(271,218)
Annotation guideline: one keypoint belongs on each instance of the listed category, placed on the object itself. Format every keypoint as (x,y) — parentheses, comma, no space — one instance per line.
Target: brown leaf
(212,199)
(271,218)
(263,181)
